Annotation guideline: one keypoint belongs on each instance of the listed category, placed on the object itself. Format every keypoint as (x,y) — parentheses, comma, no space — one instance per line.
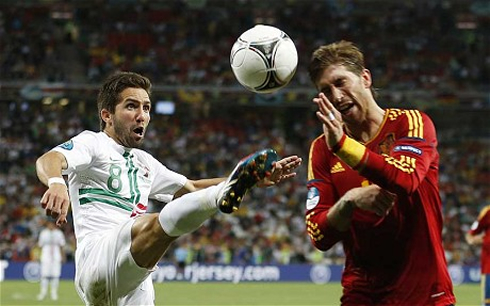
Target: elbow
(407,187)
(39,165)
(320,246)
(403,184)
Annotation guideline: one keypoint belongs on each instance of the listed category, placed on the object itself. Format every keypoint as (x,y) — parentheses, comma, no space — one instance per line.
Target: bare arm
(50,165)
(194,185)
(55,200)
(282,169)
(371,198)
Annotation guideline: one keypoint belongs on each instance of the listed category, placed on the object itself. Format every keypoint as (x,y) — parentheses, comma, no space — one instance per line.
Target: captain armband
(350,151)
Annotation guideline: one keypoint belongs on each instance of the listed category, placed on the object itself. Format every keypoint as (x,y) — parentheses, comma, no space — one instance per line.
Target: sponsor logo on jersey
(313,198)
(406,148)
(337,168)
(67,145)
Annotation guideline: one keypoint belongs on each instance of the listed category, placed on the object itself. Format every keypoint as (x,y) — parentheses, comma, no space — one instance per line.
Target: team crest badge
(67,145)
(386,144)
(313,198)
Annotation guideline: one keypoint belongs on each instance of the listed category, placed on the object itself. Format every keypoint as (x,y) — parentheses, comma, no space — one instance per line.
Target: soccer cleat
(246,174)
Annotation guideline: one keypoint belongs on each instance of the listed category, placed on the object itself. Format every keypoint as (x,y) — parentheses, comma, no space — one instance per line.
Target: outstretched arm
(55,200)
(194,185)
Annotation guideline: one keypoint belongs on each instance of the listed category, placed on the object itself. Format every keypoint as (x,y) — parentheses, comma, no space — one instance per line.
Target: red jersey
(482,225)
(397,259)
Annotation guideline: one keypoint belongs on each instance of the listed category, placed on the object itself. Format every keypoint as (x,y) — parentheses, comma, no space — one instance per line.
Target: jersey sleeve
(166,182)
(409,160)
(321,197)
(78,151)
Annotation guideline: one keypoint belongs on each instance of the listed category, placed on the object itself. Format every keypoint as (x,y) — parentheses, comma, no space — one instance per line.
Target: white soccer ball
(264,59)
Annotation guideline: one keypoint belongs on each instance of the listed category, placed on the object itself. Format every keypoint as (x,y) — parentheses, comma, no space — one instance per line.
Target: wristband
(56,180)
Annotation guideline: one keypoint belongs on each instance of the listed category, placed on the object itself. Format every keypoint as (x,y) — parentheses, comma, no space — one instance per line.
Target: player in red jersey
(373,185)
(479,234)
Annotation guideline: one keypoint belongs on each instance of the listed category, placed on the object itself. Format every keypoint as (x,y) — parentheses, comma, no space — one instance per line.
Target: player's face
(348,92)
(128,123)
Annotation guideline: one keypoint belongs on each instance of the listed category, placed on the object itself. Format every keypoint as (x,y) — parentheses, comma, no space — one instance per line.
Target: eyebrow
(138,101)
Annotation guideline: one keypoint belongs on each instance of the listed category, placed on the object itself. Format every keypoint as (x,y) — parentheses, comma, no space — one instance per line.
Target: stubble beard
(124,135)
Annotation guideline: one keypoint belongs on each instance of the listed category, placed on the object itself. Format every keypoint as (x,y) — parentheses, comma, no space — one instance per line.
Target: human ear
(367,81)
(106,116)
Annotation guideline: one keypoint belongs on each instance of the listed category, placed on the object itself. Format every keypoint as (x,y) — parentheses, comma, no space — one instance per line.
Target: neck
(369,127)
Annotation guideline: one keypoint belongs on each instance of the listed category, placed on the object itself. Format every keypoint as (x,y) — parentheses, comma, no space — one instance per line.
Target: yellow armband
(350,151)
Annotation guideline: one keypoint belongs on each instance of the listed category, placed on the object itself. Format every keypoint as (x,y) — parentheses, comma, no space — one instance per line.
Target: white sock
(187,213)
(44,286)
(54,286)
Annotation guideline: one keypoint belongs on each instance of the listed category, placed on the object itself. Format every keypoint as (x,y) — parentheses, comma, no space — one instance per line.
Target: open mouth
(345,108)
(139,131)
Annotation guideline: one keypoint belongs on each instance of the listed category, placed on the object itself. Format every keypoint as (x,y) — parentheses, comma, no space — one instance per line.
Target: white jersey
(51,241)
(109,183)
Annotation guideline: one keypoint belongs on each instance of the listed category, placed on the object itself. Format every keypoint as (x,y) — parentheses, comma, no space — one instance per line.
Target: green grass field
(24,293)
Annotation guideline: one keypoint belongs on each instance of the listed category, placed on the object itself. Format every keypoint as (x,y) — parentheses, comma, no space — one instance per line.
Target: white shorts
(50,269)
(106,273)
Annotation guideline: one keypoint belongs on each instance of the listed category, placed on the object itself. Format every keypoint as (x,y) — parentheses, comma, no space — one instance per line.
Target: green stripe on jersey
(90,195)
(88,200)
(100,191)
(133,178)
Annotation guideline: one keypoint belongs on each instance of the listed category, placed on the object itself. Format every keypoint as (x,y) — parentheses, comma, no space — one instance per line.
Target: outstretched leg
(153,233)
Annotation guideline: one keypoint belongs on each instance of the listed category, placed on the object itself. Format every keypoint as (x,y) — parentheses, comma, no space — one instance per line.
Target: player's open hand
(281,170)
(331,119)
(56,202)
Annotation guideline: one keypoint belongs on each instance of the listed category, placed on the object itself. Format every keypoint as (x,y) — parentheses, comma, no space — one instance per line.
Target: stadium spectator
(52,241)
(188,48)
(373,186)
(479,234)
(181,256)
(111,180)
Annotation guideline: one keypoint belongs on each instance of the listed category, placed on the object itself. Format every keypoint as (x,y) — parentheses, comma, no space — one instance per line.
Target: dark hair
(108,96)
(342,52)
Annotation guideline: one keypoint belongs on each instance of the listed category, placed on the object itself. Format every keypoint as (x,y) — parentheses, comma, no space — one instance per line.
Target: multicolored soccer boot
(246,174)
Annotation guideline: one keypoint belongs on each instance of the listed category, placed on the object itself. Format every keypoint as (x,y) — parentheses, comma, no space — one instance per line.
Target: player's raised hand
(331,119)
(281,170)
(56,202)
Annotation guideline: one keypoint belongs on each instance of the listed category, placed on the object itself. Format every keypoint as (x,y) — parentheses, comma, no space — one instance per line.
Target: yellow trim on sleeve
(311,174)
(351,152)
(415,124)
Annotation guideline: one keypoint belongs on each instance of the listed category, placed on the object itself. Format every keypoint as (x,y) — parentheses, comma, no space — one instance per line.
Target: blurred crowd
(439,45)
(435,44)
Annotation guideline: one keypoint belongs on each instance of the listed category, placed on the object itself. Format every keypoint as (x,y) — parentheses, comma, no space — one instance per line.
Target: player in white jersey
(51,241)
(110,182)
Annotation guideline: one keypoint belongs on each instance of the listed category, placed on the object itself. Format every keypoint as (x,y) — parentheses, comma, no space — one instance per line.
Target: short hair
(109,93)
(338,53)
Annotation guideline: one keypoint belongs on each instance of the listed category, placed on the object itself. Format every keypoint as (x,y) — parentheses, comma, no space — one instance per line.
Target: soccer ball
(264,59)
